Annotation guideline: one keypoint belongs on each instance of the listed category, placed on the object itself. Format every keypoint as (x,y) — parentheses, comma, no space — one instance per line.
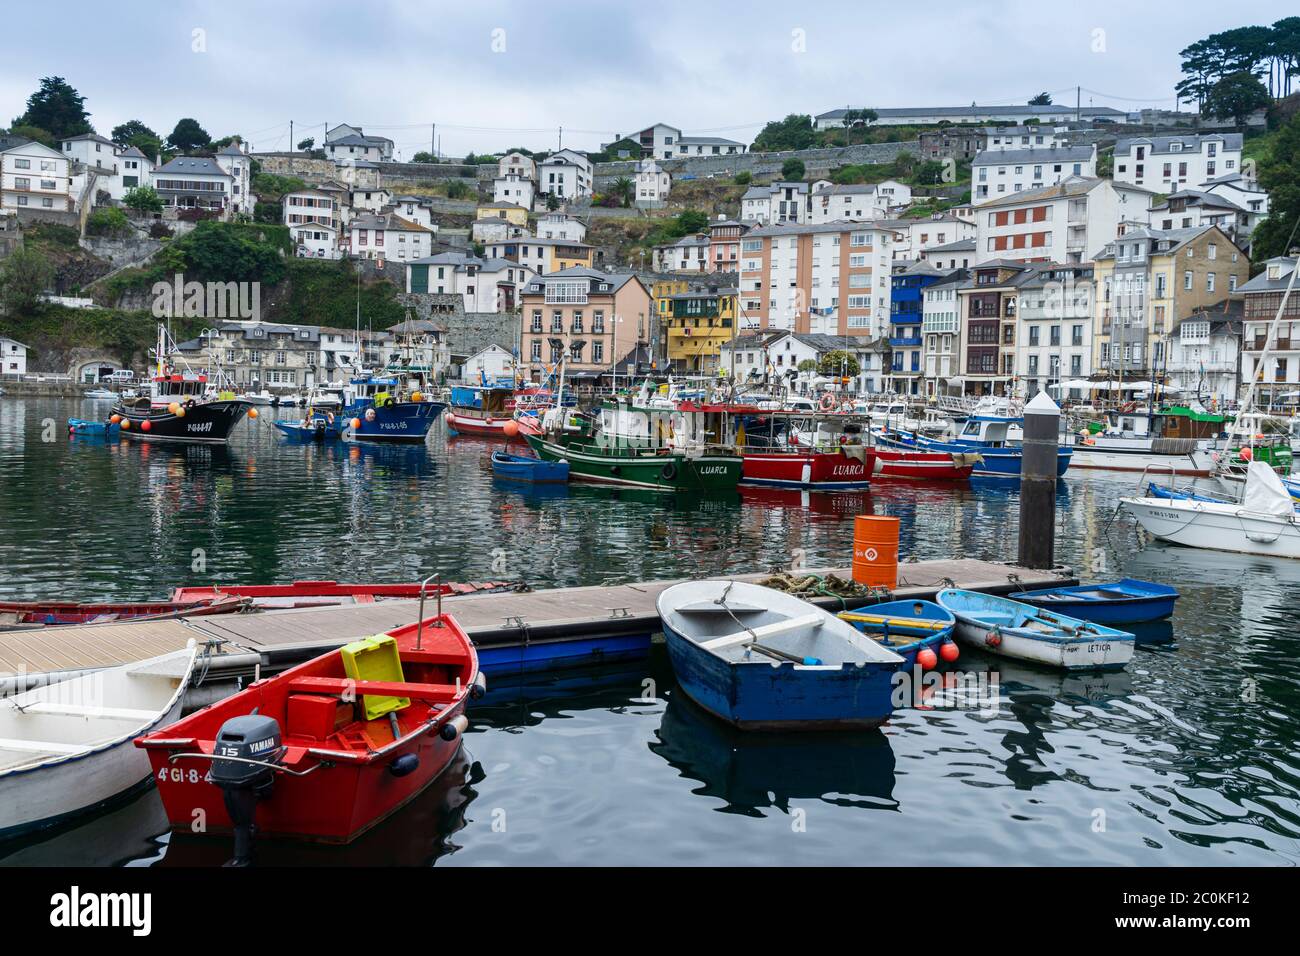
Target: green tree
(423,157)
(1235,97)
(135,133)
(188,136)
(837,363)
(1279,176)
(307,144)
(623,190)
(796,131)
(552,203)
(34,133)
(792,170)
(57,108)
(744,177)
(24,275)
(458,189)
(690,221)
(107,221)
(143,199)
(1042,99)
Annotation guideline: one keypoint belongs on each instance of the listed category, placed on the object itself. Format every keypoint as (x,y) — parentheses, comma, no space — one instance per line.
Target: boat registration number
(178,775)
(199,427)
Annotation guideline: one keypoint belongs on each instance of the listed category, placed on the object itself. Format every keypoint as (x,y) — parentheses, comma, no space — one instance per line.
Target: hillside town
(996,250)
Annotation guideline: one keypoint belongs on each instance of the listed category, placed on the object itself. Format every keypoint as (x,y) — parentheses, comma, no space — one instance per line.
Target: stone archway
(89,367)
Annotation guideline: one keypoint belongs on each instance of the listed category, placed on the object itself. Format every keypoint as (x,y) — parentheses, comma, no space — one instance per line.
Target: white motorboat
(1263,522)
(261,397)
(67,747)
(101,395)
(1180,441)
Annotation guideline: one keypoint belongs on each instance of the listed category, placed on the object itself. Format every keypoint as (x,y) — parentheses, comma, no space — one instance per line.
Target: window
(597,352)
(1187,280)
(1209,282)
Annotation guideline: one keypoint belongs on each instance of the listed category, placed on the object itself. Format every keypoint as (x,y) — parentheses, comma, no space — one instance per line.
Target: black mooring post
(1038,483)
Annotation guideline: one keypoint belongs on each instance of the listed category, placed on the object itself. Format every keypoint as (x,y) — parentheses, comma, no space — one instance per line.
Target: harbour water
(1189,756)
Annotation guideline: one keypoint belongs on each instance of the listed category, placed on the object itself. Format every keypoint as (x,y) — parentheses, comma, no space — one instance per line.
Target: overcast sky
(499,74)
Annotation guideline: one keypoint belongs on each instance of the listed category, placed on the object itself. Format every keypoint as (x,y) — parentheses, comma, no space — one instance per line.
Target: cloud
(498,74)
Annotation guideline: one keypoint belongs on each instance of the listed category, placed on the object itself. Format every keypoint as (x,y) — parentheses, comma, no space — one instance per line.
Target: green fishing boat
(659,468)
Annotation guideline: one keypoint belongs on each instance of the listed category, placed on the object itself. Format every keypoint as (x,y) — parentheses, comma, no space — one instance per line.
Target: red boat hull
(463,424)
(58,612)
(823,471)
(925,466)
(334,788)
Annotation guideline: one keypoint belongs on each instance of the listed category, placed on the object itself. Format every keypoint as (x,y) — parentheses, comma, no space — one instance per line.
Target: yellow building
(696,323)
(558,254)
(508,211)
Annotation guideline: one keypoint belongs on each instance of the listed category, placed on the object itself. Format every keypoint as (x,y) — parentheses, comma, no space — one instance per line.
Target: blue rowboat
(89,429)
(907,628)
(764,660)
(985,435)
(1009,628)
(527,468)
(1127,601)
(320,427)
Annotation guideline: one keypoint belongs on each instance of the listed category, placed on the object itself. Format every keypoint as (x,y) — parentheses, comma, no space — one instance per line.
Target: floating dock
(513,630)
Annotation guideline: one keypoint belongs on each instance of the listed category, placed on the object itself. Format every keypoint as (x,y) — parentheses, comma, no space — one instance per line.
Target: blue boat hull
(999,461)
(906,644)
(319,430)
(523,468)
(396,422)
(1127,601)
(763,696)
(87,429)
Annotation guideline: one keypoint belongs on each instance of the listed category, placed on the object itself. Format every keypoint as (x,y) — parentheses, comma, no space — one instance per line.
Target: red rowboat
(823,471)
(327,593)
(37,613)
(325,750)
(491,425)
(927,466)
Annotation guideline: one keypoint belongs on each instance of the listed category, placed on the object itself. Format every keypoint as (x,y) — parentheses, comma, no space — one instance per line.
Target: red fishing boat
(327,749)
(47,613)
(816,470)
(925,466)
(327,593)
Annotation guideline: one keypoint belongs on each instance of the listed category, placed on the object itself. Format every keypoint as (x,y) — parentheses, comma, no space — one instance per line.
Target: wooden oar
(782,655)
(896,621)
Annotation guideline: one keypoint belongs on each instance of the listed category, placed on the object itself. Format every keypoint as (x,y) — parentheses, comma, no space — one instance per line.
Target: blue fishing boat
(319,426)
(761,659)
(88,429)
(1009,628)
(908,628)
(528,468)
(986,435)
(380,409)
(1127,601)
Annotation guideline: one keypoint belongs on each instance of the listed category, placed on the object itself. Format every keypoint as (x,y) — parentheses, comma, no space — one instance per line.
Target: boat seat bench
(765,630)
(42,746)
(435,693)
(90,710)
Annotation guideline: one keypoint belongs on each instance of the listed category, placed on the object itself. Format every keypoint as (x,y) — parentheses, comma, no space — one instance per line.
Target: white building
(859,202)
(518,165)
(776,356)
(1054,326)
(486,285)
(134,169)
(566,174)
(662,141)
(559,225)
(1205,353)
(1247,196)
(371,199)
(35,177)
(652,182)
(345,142)
(316,241)
(1167,164)
(914,237)
(996,173)
(687,254)
(941,330)
(414,209)
(1024,137)
(1066,223)
(91,149)
(239,166)
(488,364)
(194,182)
(13,357)
(950,256)
(493,229)
(775,204)
(388,236)
(513,189)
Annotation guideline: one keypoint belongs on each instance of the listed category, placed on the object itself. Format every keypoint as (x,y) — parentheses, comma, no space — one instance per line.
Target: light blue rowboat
(1008,628)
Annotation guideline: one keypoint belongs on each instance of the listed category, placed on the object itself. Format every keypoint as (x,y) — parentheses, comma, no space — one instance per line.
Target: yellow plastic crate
(375,658)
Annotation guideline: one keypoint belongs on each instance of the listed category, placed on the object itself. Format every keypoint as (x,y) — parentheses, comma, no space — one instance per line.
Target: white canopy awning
(1080,383)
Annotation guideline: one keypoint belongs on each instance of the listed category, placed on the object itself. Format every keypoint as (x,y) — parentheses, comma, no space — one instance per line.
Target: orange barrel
(875,551)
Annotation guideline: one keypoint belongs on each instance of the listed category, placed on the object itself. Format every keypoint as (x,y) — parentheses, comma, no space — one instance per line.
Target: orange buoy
(173,408)
(252,413)
(356,423)
(875,551)
(510,429)
(146,425)
(948,651)
(1247,454)
(927,659)
(115,419)
(417,397)
(126,424)
(180,411)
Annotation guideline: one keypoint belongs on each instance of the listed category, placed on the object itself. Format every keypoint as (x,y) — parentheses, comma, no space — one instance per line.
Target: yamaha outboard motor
(254,741)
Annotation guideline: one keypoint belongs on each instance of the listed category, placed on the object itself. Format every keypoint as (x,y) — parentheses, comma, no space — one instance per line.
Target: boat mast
(1258,373)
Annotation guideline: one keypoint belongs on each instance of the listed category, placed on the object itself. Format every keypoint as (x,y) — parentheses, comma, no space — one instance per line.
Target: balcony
(905,342)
